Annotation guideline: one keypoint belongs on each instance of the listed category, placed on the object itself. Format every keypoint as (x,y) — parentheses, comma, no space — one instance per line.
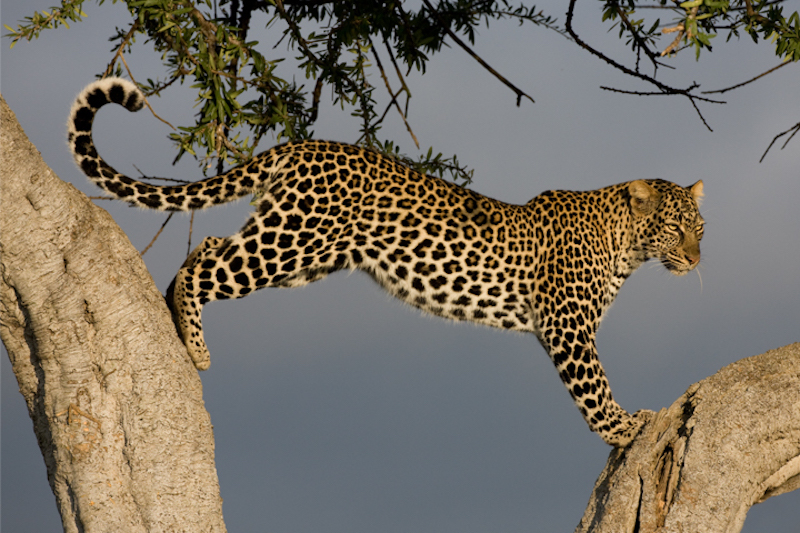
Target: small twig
(639,41)
(191,228)
(221,128)
(146,102)
(157,90)
(699,114)
(173,180)
(681,29)
(394,96)
(476,57)
(118,54)
(121,56)
(793,130)
(315,100)
(399,75)
(773,69)
(661,93)
(156,235)
(677,41)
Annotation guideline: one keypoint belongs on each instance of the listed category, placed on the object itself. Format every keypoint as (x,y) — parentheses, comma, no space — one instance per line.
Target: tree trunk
(118,412)
(116,404)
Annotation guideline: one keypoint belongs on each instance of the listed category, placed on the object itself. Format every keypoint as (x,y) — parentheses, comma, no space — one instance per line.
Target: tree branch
(731,441)
(640,43)
(393,95)
(665,89)
(520,93)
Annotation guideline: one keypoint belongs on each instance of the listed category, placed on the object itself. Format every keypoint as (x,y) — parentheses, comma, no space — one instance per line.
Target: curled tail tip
(111,90)
(91,98)
(96,95)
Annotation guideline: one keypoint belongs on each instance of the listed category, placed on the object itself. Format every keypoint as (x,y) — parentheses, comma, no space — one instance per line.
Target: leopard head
(668,222)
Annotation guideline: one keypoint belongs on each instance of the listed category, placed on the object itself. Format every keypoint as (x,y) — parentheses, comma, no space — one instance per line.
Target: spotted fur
(551,267)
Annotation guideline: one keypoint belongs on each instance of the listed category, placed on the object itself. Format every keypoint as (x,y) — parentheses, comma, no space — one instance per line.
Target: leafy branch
(70,11)
(245,94)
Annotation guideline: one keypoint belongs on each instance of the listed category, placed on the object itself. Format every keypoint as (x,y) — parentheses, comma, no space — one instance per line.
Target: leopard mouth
(678,266)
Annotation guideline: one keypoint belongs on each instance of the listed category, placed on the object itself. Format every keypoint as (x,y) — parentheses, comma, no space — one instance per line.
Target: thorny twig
(155,237)
(191,228)
(399,74)
(146,101)
(639,41)
(121,56)
(125,41)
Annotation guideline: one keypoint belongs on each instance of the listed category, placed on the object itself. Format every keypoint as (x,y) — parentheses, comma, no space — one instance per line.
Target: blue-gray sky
(338,409)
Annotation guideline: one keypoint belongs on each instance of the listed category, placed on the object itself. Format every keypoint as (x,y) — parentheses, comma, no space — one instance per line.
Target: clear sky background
(338,409)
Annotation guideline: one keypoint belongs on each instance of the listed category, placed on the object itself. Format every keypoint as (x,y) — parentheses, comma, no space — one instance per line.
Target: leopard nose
(692,253)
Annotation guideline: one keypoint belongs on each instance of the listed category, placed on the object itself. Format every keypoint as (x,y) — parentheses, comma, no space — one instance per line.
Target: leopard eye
(673,227)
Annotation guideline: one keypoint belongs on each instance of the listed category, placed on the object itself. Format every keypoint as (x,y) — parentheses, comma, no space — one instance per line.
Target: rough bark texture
(731,441)
(116,404)
(118,412)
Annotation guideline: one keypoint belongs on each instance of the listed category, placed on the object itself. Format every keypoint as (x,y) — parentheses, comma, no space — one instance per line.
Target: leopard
(551,267)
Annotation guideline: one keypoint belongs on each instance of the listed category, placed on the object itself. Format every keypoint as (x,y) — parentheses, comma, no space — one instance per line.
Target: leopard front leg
(575,357)
(186,301)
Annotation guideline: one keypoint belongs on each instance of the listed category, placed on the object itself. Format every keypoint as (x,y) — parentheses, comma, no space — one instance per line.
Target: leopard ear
(697,192)
(644,198)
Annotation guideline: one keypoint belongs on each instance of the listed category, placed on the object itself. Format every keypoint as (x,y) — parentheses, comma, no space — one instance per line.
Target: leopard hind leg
(186,302)
(233,267)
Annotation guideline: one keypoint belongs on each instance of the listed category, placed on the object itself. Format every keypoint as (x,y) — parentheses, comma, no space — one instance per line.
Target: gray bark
(118,412)
(116,404)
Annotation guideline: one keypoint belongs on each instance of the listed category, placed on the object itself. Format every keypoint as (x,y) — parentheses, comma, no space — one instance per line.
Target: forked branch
(664,89)
(791,132)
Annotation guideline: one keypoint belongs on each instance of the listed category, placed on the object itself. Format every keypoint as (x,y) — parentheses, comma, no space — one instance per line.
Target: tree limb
(731,441)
